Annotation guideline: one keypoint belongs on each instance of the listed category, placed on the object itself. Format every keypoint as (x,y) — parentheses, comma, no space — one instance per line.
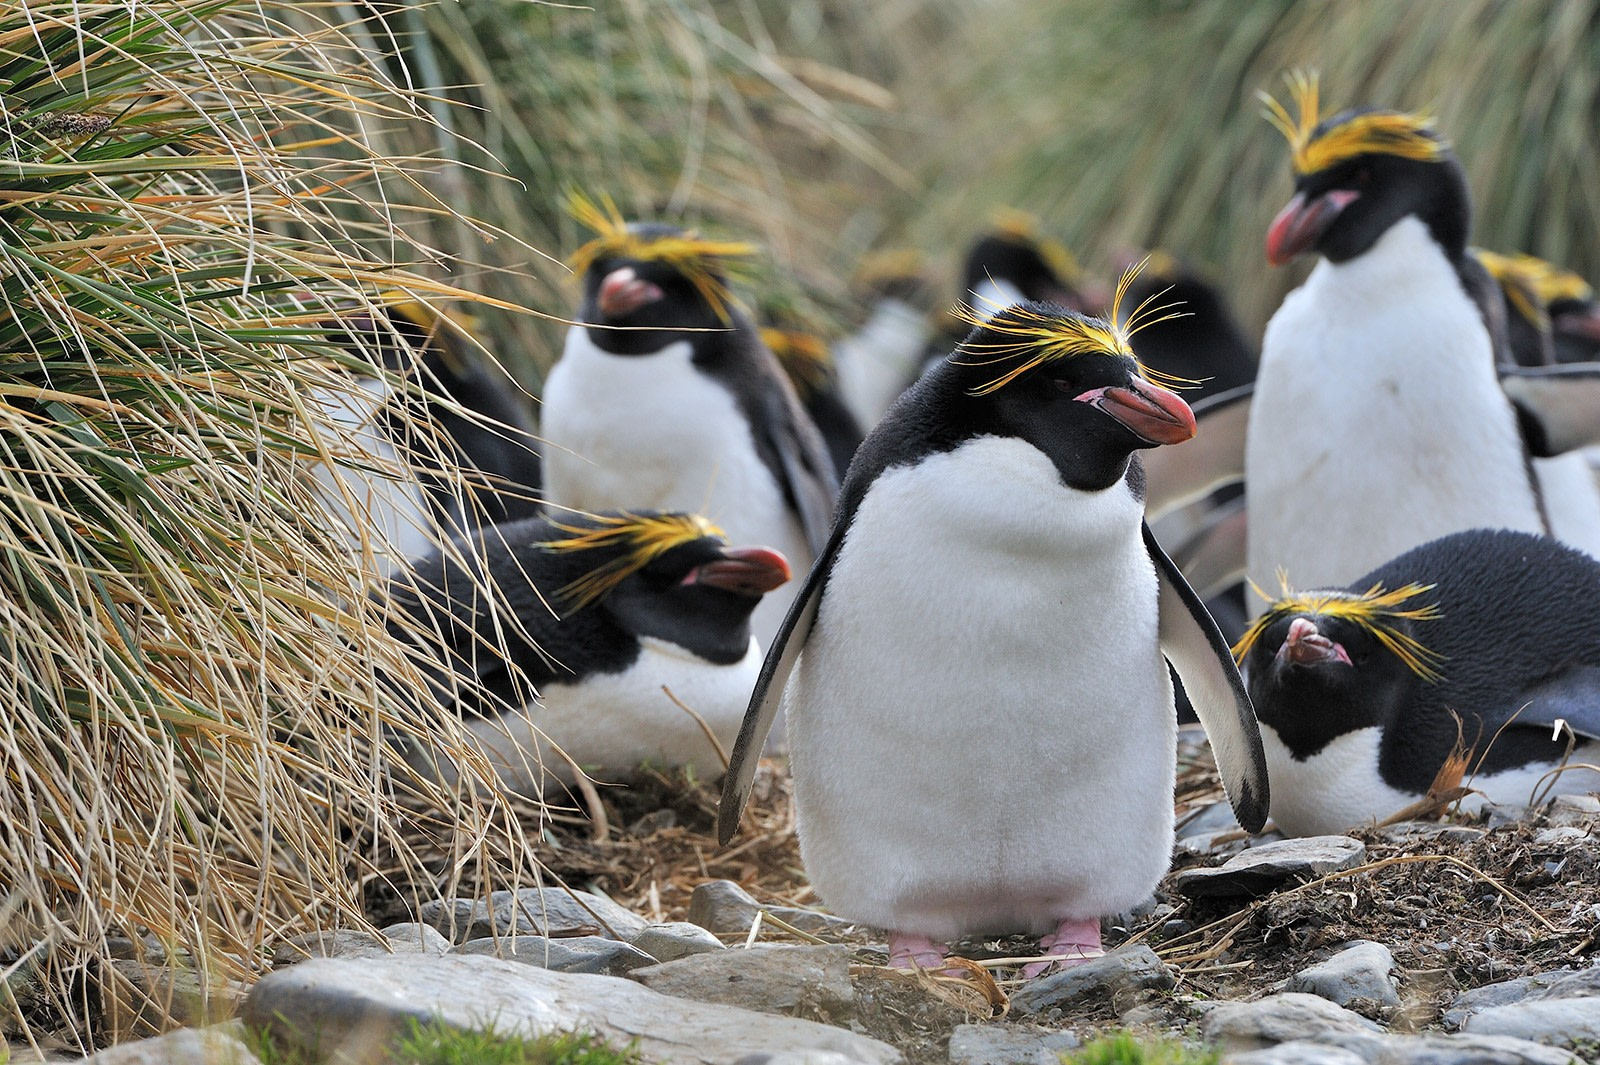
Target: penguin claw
(1073,943)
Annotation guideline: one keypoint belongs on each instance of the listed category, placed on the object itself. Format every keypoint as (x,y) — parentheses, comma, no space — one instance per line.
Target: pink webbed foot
(1072,943)
(916,952)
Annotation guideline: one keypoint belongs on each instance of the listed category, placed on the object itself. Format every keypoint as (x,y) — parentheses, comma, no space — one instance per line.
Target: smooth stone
(1279,1018)
(1499,816)
(1133,968)
(676,939)
(1298,1053)
(553,912)
(770,978)
(1562,1020)
(187,1046)
(1405,832)
(1573,811)
(574,954)
(326,1001)
(723,907)
(1009,1044)
(826,1057)
(1362,972)
(343,943)
(1260,870)
(1446,1049)
(1557,984)
(414,937)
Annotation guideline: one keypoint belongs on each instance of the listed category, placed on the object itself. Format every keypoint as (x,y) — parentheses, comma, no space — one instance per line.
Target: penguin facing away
(981,719)
(548,633)
(664,397)
(1358,689)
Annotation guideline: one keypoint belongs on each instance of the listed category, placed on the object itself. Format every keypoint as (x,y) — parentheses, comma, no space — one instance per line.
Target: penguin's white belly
(1378,421)
(611,723)
(981,724)
(1571,500)
(645,432)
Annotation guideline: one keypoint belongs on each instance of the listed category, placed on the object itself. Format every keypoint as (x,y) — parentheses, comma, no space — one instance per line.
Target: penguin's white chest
(653,432)
(1378,422)
(981,724)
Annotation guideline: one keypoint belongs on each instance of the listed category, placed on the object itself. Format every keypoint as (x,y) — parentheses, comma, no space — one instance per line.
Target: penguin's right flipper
(1182,473)
(1558,406)
(768,695)
(1573,697)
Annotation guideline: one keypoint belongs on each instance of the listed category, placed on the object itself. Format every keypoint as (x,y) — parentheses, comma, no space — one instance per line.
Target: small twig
(1227,968)
(711,737)
(755,929)
(791,929)
(601,830)
(1005,963)
(1426,806)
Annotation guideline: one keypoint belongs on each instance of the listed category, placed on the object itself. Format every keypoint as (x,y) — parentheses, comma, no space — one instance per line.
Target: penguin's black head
(1320,664)
(1527,319)
(1360,172)
(669,576)
(1574,314)
(648,282)
(1042,270)
(1067,384)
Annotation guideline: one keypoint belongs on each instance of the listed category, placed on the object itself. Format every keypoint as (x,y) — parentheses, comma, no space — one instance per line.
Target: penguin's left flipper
(1194,645)
(768,694)
(1179,474)
(808,474)
(1558,406)
(1572,697)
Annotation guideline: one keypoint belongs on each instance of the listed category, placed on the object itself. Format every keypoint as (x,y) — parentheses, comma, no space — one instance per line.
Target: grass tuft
(1125,1049)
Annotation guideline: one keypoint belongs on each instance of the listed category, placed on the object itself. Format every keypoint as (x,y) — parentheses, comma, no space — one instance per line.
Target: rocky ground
(1446,943)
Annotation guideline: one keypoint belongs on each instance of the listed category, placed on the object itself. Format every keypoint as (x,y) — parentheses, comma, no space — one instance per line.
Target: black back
(1205,343)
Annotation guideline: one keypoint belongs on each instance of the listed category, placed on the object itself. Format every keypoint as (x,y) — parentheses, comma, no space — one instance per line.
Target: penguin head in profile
(667,575)
(1068,384)
(1357,174)
(650,281)
(1323,663)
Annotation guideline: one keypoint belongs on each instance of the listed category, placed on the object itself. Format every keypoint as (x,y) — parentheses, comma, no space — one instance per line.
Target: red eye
(1064,385)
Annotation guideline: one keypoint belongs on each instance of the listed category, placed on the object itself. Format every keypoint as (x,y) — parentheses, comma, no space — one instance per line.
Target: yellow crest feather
(803,356)
(1029,339)
(639,538)
(1374,610)
(1410,135)
(687,252)
(1518,276)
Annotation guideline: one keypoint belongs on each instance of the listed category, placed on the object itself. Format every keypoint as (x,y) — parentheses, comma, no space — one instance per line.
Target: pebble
(1361,975)
(329,998)
(1563,1020)
(1130,969)
(721,906)
(1279,1019)
(1009,1044)
(1298,1053)
(551,911)
(187,1046)
(574,954)
(1260,870)
(676,939)
(809,981)
(1563,836)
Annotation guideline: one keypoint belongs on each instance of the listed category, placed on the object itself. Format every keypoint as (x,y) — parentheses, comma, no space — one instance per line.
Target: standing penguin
(1488,637)
(981,721)
(664,397)
(635,601)
(805,357)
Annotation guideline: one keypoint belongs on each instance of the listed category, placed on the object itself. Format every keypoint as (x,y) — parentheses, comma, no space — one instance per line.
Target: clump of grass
(1125,1049)
(436,1042)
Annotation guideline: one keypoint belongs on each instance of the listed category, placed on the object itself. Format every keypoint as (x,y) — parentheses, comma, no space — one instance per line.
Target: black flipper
(1558,406)
(1573,697)
(768,695)
(807,468)
(1194,645)
(1182,473)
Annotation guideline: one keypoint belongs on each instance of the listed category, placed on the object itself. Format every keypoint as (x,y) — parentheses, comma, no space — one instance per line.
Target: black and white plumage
(805,357)
(1358,688)
(665,398)
(980,715)
(563,631)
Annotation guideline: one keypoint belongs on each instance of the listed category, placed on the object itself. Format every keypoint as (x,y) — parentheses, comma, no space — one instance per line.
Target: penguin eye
(1063,385)
(1362,177)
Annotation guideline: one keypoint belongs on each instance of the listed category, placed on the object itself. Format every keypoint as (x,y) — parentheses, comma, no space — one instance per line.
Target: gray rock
(1573,811)
(1558,984)
(1298,1053)
(1564,836)
(187,1046)
(1279,1019)
(1133,968)
(413,937)
(1366,1048)
(1498,815)
(677,939)
(1362,972)
(329,1001)
(134,996)
(796,1057)
(343,943)
(723,907)
(1261,869)
(553,912)
(771,978)
(1563,1020)
(1214,844)
(574,954)
(1411,832)
(1008,1044)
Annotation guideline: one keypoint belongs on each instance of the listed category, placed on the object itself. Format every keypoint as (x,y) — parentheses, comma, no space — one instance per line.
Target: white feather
(1567,485)
(1378,421)
(981,723)
(653,432)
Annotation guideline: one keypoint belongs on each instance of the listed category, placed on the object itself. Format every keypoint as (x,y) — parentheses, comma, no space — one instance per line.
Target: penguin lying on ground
(808,362)
(665,397)
(597,614)
(980,717)
(1358,688)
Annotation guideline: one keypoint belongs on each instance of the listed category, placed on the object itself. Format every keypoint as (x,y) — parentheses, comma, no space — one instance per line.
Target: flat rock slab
(188,1046)
(1359,974)
(327,1003)
(575,954)
(1353,1048)
(1557,984)
(772,978)
(1261,870)
(553,912)
(1008,1044)
(1240,1026)
(1133,968)
(1563,1020)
